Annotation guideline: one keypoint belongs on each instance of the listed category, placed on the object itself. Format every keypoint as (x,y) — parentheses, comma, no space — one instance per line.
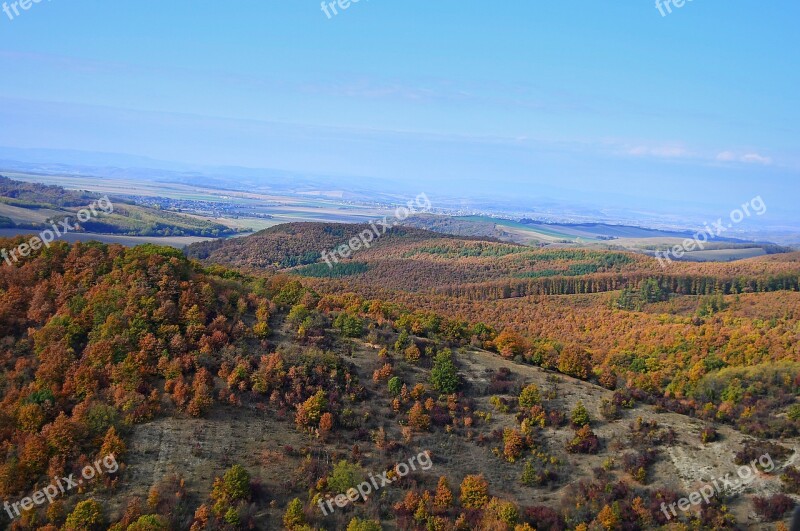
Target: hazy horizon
(605,106)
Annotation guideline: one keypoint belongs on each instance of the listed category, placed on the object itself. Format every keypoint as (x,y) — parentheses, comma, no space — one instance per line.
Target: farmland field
(179,242)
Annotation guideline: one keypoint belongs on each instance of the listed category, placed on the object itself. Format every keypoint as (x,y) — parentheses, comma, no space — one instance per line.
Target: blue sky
(606,102)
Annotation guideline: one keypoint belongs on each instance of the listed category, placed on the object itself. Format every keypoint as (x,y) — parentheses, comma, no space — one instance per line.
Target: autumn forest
(534,378)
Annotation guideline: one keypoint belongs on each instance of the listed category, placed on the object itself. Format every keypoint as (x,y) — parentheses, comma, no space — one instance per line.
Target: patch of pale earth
(690,470)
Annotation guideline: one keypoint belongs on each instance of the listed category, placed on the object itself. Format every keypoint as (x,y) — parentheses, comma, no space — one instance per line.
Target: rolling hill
(250,396)
(31,205)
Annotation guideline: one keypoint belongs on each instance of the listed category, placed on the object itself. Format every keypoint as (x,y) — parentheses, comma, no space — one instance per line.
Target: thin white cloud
(756,158)
(677,151)
(664,152)
(748,158)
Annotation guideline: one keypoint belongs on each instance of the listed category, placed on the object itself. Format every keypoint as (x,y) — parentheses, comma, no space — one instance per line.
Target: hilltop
(244,397)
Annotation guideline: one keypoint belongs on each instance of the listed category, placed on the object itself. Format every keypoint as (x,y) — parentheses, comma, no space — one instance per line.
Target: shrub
(474,492)
(774,507)
(575,362)
(261,330)
(542,517)
(537,473)
(501,382)
(499,404)
(297,315)
(509,344)
(417,418)
(237,483)
(232,517)
(754,449)
(609,410)
(444,375)
(395,385)
(383,373)
(87,516)
(232,487)
(608,518)
(412,354)
(343,477)
(505,512)
(579,416)
(708,435)
(536,417)
(623,398)
(294,517)
(791,480)
(310,411)
(349,325)
(636,463)
(364,525)
(325,425)
(529,397)
(150,522)
(444,496)
(608,379)
(513,445)
(403,340)
(585,442)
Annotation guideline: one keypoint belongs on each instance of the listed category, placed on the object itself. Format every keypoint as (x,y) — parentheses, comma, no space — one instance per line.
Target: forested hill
(293,244)
(410,259)
(41,195)
(680,331)
(30,206)
(234,400)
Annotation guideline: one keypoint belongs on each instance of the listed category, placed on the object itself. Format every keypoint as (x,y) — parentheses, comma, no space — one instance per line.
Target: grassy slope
(30,205)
